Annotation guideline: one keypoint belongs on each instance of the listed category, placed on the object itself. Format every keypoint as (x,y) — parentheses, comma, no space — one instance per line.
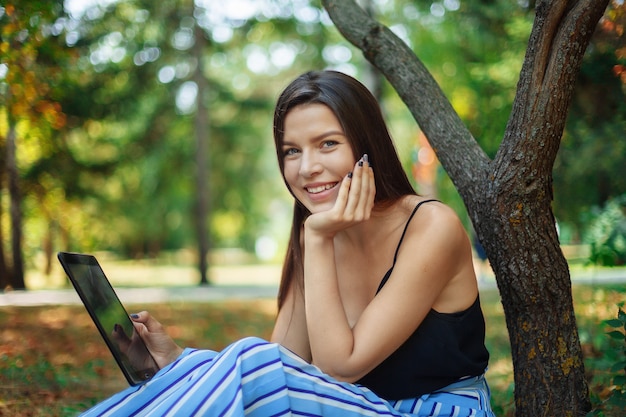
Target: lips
(316,189)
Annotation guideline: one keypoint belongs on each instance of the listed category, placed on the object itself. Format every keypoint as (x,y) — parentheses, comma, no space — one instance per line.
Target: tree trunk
(47,245)
(5,273)
(509,199)
(202,161)
(17,277)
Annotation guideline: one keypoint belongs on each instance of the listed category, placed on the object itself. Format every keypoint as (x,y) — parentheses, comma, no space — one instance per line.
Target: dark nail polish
(366,158)
(361,163)
(134,316)
(350,174)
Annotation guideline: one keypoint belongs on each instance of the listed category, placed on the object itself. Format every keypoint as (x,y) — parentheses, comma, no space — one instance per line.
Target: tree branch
(454,145)
(560,35)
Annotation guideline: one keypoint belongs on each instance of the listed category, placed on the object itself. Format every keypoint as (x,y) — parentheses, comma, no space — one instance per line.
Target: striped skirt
(255,378)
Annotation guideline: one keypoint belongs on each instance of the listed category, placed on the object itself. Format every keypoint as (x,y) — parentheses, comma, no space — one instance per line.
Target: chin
(318,208)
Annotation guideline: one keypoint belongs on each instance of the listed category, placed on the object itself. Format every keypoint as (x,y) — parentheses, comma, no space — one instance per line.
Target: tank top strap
(395,256)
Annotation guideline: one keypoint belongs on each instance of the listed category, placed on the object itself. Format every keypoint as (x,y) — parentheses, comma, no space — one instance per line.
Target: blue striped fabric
(259,379)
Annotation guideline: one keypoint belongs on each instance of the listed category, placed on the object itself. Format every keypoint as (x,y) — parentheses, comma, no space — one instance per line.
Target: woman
(378,301)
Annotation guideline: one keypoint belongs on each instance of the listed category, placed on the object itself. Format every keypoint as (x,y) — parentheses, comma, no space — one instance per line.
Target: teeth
(315,190)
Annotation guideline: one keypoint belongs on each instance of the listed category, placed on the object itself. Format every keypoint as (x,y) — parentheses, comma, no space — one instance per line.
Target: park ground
(53,362)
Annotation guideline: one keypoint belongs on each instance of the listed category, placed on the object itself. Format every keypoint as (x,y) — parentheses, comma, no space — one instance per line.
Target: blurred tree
(147,77)
(119,173)
(27,47)
(201,128)
(509,197)
(198,57)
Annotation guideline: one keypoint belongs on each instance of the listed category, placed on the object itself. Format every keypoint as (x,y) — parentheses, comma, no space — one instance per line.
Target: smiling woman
(318,156)
(379,311)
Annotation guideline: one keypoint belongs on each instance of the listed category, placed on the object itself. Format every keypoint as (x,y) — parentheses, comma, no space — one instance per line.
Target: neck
(380,223)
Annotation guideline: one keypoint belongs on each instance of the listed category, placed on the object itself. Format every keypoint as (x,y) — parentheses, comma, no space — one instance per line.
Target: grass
(53,362)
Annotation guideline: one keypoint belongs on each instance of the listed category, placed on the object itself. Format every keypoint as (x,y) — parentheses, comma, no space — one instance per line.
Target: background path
(228,283)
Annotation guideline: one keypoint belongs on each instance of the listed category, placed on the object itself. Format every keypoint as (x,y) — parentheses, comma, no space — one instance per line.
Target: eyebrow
(319,137)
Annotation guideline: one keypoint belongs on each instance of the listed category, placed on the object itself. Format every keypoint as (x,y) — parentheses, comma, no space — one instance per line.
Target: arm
(290,329)
(429,261)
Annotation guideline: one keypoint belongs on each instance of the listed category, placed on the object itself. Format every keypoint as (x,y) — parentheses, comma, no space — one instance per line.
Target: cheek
(345,163)
(290,172)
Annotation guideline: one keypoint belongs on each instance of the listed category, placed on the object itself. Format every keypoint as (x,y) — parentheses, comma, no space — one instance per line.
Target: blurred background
(141,131)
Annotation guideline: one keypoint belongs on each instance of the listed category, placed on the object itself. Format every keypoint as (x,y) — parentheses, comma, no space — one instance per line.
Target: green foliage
(106,143)
(607,234)
(118,173)
(612,402)
(28,54)
(41,374)
(589,167)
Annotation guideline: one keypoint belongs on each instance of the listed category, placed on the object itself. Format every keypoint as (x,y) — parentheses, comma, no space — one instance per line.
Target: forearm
(330,335)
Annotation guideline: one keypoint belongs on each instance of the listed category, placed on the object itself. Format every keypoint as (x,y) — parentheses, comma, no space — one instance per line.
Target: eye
(329,143)
(290,151)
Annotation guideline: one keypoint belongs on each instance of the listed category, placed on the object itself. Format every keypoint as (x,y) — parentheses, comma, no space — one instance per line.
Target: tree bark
(17,276)
(509,199)
(202,160)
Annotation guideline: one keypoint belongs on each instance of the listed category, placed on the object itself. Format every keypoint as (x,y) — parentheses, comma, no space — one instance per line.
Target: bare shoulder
(429,208)
(438,256)
(435,222)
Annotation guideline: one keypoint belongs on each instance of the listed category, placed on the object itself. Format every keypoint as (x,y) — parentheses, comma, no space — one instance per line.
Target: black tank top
(444,348)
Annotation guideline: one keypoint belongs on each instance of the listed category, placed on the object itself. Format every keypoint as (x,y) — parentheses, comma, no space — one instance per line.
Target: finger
(368,193)
(364,191)
(140,329)
(147,319)
(344,191)
(140,317)
(371,198)
(355,190)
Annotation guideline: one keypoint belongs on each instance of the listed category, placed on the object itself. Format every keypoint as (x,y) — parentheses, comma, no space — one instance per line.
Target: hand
(133,348)
(354,203)
(161,346)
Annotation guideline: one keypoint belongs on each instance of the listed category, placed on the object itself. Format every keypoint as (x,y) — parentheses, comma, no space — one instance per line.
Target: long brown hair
(359,114)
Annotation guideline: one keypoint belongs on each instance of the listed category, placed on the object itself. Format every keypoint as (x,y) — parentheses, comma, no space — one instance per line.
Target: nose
(309,164)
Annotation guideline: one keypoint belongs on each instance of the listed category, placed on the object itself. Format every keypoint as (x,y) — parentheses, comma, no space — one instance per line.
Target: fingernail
(116,327)
(350,174)
(361,163)
(365,158)
(134,316)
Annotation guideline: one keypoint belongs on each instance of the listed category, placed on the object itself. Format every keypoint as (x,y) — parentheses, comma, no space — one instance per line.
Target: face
(317,155)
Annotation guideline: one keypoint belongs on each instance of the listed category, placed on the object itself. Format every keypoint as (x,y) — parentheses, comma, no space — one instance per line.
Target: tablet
(110,317)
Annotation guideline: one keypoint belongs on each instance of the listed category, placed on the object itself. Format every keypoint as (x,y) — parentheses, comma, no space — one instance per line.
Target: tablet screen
(110,317)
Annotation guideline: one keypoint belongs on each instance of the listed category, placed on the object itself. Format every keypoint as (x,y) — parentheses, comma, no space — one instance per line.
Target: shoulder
(435,253)
(429,208)
(434,222)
